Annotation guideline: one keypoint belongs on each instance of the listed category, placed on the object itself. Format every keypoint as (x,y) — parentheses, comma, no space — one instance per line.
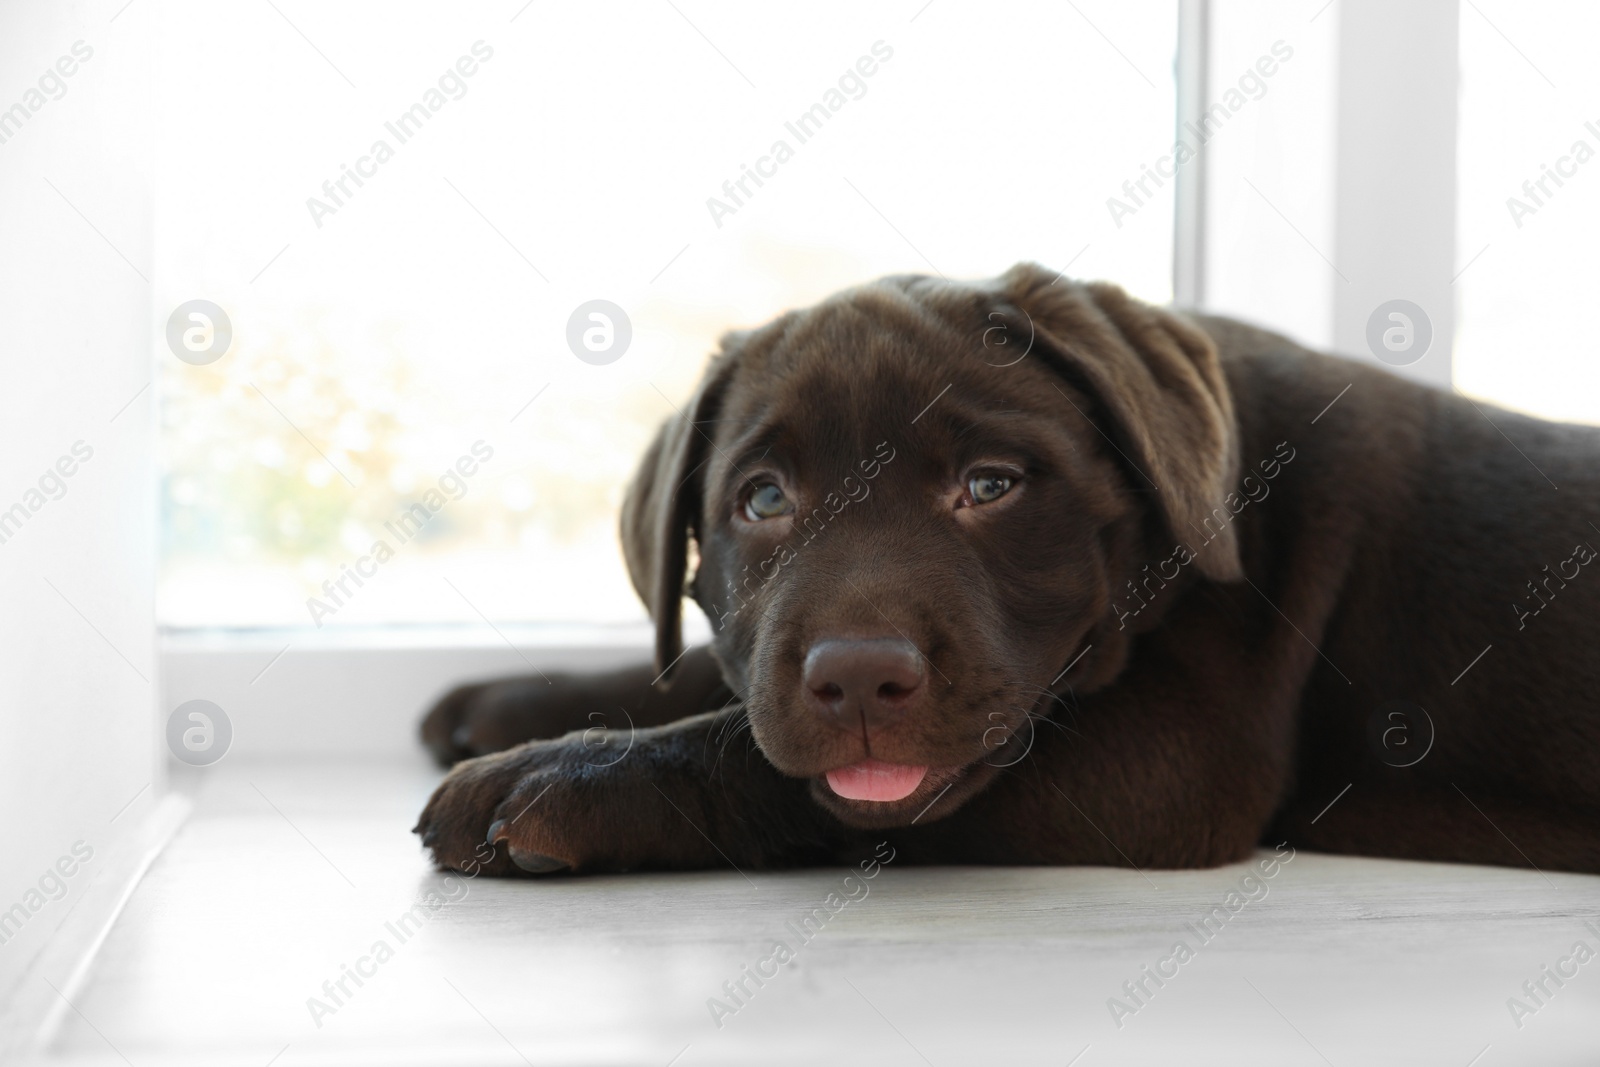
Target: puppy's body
(1231,582)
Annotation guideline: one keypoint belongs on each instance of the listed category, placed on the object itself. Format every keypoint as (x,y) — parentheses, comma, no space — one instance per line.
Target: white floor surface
(284,874)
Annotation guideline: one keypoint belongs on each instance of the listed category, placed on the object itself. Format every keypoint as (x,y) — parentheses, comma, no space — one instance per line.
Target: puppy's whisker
(739,724)
(1070,709)
(733,701)
(733,722)
(1045,693)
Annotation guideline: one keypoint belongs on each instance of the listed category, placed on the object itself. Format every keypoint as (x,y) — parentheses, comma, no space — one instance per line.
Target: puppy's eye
(988,487)
(766,501)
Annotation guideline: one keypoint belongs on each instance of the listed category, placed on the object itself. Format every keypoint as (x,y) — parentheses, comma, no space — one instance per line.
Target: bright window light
(400,209)
(1528,209)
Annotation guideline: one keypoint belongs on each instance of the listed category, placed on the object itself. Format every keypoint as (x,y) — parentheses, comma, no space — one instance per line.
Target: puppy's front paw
(527,804)
(599,800)
(474,720)
(444,719)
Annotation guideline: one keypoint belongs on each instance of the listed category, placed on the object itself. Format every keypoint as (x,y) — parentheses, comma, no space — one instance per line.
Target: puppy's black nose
(871,681)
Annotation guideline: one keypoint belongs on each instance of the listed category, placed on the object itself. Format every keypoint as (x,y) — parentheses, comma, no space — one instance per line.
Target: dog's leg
(695,794)
(1454,822)
(1121,781)
(474,720)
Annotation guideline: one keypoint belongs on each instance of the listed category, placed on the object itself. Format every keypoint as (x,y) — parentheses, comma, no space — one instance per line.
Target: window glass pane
(1529,207)
(399,245)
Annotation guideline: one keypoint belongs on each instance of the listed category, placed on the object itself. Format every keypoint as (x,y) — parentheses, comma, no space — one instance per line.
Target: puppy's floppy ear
(661,508)
(1159,383)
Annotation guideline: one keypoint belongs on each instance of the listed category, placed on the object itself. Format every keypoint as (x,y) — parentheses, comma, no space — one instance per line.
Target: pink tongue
(875,780)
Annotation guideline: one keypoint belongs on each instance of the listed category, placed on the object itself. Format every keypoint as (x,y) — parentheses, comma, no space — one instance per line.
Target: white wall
(77,664)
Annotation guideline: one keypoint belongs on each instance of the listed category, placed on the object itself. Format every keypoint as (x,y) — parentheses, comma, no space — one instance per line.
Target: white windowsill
(361,691)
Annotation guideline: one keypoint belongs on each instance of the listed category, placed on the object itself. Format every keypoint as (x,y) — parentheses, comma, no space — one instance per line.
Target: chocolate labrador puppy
(1028,572)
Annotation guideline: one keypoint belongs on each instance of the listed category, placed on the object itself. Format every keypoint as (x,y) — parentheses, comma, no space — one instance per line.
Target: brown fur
(1168,643)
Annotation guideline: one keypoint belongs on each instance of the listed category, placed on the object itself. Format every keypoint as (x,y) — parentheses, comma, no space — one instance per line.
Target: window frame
(369,685)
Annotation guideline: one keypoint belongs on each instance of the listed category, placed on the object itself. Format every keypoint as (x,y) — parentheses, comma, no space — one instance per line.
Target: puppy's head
(916,504)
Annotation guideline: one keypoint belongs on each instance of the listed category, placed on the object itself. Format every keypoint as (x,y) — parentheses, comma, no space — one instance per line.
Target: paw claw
(534,863)
(494,828)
